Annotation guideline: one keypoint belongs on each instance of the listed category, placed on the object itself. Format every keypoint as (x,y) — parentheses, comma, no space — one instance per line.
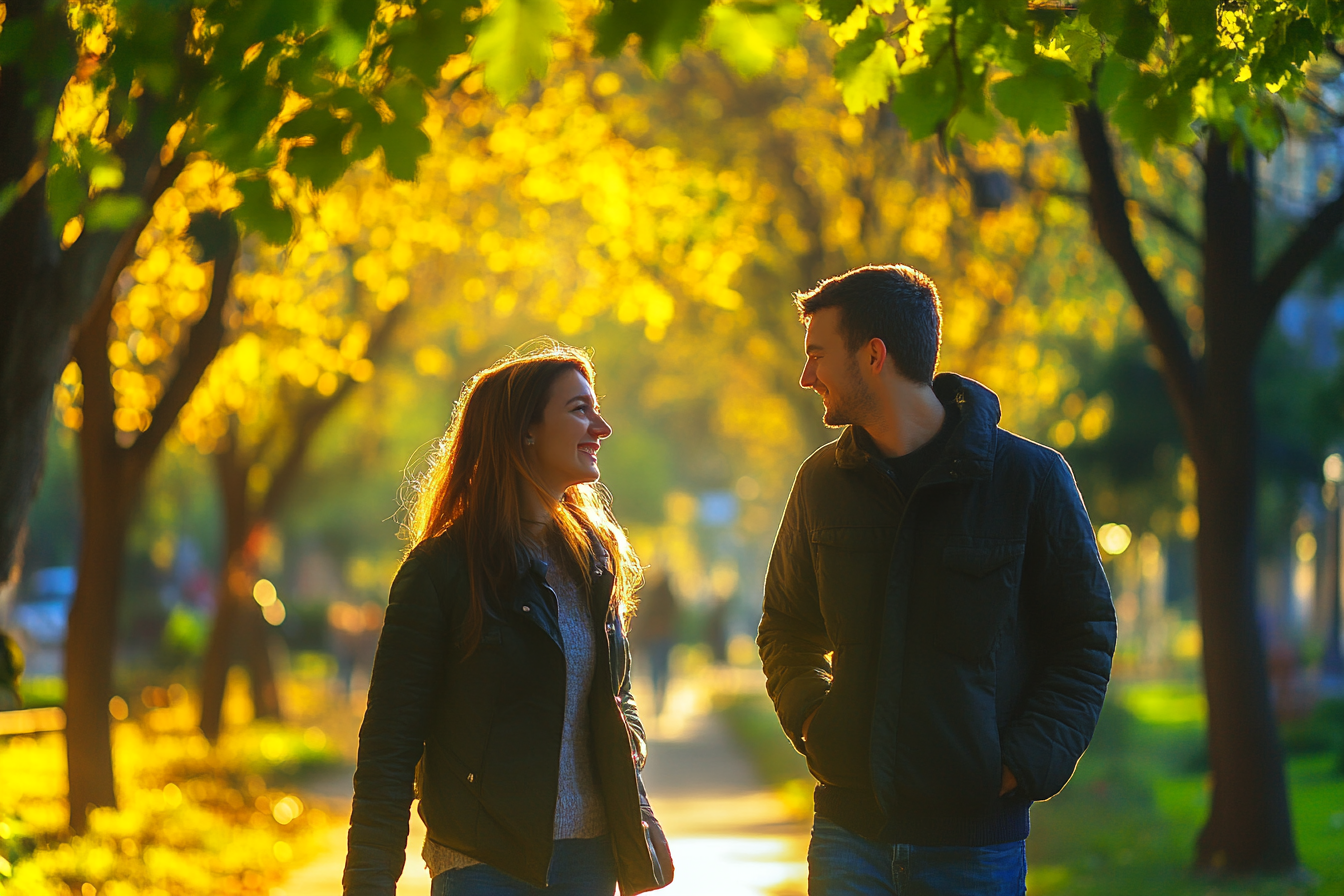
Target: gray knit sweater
(578,805)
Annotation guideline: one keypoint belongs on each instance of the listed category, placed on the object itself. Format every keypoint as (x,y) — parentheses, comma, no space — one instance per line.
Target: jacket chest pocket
(975,590)
(851,569)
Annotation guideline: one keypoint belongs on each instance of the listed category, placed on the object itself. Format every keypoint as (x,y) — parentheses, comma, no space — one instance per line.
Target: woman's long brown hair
(477,470)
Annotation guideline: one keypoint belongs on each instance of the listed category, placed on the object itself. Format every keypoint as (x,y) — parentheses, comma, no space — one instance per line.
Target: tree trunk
(36,317)
(236,613)
(112,477)
(92,636)
(1249,828)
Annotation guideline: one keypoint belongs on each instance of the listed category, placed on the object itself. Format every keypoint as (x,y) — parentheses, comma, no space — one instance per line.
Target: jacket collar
(534,568)
(970,450)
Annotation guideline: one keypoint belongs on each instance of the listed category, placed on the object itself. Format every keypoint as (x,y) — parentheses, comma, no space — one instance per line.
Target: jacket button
(527,609)
(471,777)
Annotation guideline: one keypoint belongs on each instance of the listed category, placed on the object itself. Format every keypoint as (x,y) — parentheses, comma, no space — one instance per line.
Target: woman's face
(564,442)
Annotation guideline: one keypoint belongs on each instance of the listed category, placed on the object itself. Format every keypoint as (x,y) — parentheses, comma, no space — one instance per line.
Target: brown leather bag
(660,853)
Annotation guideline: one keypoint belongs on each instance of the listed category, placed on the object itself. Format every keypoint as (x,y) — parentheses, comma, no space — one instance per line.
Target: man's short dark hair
(891,302)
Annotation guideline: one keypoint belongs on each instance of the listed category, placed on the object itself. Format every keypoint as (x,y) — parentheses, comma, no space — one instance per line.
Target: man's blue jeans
(843,864)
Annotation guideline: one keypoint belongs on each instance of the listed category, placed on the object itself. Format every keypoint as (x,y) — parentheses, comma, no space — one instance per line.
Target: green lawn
(1127,822)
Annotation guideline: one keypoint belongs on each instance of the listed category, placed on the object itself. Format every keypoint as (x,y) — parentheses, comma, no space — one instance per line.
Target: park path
(730,835)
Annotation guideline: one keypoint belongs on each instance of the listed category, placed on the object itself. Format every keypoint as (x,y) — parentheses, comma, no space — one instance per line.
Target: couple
(937,632)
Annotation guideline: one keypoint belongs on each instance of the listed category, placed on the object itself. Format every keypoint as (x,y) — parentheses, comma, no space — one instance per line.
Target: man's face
(833,372)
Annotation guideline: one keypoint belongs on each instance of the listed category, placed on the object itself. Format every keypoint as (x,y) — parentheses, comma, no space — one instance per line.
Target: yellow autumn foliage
(192,819)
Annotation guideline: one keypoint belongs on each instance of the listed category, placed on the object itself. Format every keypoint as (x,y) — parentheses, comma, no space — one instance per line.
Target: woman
(501,688)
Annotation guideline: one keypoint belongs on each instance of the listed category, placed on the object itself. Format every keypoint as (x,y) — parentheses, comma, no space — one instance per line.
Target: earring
(529,441)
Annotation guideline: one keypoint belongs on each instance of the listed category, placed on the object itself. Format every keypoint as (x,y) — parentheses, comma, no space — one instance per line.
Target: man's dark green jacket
(489,727)
(941,635)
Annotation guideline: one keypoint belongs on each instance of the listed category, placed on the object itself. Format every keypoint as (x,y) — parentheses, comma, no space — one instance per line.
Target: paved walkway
(730,835)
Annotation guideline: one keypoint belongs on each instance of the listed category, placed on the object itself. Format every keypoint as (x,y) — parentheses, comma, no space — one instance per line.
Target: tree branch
(1107,203)
(1309,242)
(313,415)
(203,343)
(1167,219)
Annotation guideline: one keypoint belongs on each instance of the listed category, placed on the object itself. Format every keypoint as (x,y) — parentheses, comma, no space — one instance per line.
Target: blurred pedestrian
(501,686)
(937,631)
(654,633)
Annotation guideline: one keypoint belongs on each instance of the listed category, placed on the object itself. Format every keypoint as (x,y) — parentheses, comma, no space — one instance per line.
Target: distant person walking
(655,633)
(501,686)
(937,630)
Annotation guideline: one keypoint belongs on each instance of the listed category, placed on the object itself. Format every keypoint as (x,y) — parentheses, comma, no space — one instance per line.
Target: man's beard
(851,403)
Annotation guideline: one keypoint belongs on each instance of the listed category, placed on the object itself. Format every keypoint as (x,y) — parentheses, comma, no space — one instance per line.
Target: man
(937,630)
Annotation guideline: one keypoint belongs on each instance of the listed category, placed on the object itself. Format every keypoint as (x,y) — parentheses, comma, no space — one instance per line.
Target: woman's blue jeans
(843,864)
(583,867)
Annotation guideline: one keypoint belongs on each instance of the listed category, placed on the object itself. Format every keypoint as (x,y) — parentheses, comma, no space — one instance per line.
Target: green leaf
(1082,43)
(926,98)
(1133,113)
(851,55)
(112,211)
(869,83)
(102,166)
(422,44)
(322,164)
(1107,16)
(1040,97)
(514,43)
(15,39)
(837,12)
(66,194)
(1263,126)
(313,121)
(1322,15)
(259,213)
(1197,18)
(345,45)
(407,102)
(1115,77)
(211,233)
(358,14)
(1140,30)
(403,145)
(9,193)
(750,35)
(662,26)
(975,126)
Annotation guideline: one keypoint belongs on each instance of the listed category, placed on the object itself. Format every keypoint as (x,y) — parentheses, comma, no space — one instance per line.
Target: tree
(124,418)
(323,334)
(101,107)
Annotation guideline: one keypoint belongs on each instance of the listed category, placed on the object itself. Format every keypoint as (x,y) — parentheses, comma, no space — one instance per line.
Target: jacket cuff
(796,702)
(1041,768)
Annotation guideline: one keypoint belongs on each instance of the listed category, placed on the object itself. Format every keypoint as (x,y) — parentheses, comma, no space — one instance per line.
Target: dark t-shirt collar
(908,469)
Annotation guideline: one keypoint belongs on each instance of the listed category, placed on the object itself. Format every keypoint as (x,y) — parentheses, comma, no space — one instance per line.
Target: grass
(1127,821)
(192,818)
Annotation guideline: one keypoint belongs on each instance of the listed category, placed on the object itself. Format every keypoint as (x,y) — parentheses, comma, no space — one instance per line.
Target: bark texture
(112,476)
(1249,828)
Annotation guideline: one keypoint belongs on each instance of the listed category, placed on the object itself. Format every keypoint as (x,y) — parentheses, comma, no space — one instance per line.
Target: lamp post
(1332,663)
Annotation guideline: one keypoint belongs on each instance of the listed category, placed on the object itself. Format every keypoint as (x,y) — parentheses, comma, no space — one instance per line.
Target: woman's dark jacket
(938,636)
(489,727)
